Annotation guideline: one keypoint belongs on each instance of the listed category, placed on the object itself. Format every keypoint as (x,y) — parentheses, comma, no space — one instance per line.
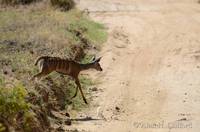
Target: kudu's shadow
(85,119)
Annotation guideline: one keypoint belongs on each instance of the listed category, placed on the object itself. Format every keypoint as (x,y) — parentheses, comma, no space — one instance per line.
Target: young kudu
(67,67)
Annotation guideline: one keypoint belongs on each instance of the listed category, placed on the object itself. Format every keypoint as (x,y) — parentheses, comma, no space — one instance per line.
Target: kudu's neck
(86,66)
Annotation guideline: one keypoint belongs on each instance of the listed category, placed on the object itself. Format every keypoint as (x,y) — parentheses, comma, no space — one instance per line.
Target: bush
(16,2)
(64,5)
(12,105)
(12,101)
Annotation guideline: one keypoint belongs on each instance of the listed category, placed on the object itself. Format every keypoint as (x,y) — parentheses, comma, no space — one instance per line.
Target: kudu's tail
(40,58)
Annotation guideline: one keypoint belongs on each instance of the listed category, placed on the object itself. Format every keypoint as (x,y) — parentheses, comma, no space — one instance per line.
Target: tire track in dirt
(149,74)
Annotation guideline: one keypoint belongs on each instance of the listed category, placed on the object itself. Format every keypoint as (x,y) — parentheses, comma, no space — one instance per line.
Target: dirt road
(151,62)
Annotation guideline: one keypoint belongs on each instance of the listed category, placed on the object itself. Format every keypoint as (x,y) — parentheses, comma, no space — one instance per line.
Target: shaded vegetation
(17,2)
(64,5)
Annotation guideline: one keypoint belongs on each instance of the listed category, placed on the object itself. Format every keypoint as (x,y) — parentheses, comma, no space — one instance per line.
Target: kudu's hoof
(72,97)
(85,101)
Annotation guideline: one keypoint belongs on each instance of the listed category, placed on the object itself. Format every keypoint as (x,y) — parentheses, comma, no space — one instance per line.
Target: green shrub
(13,107)
(17,2)
(64,5)
(12,101)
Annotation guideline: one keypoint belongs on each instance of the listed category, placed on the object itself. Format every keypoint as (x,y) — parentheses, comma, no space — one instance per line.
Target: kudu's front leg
(75,93)
(79,86)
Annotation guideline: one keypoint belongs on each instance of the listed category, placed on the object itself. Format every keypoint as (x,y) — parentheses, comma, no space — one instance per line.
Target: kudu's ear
(98,59)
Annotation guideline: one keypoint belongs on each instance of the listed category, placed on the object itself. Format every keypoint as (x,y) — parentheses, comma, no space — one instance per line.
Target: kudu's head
(96,64)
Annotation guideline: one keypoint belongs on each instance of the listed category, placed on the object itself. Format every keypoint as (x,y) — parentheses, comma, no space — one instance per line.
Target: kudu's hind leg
(41,74)
(79,86)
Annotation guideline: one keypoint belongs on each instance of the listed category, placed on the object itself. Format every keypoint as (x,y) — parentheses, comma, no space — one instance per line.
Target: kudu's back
(49,64)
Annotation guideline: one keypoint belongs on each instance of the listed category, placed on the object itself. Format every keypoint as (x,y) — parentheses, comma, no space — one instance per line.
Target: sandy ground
(151,62)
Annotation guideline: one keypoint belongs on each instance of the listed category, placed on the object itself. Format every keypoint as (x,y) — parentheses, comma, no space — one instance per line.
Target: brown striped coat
(49,64)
